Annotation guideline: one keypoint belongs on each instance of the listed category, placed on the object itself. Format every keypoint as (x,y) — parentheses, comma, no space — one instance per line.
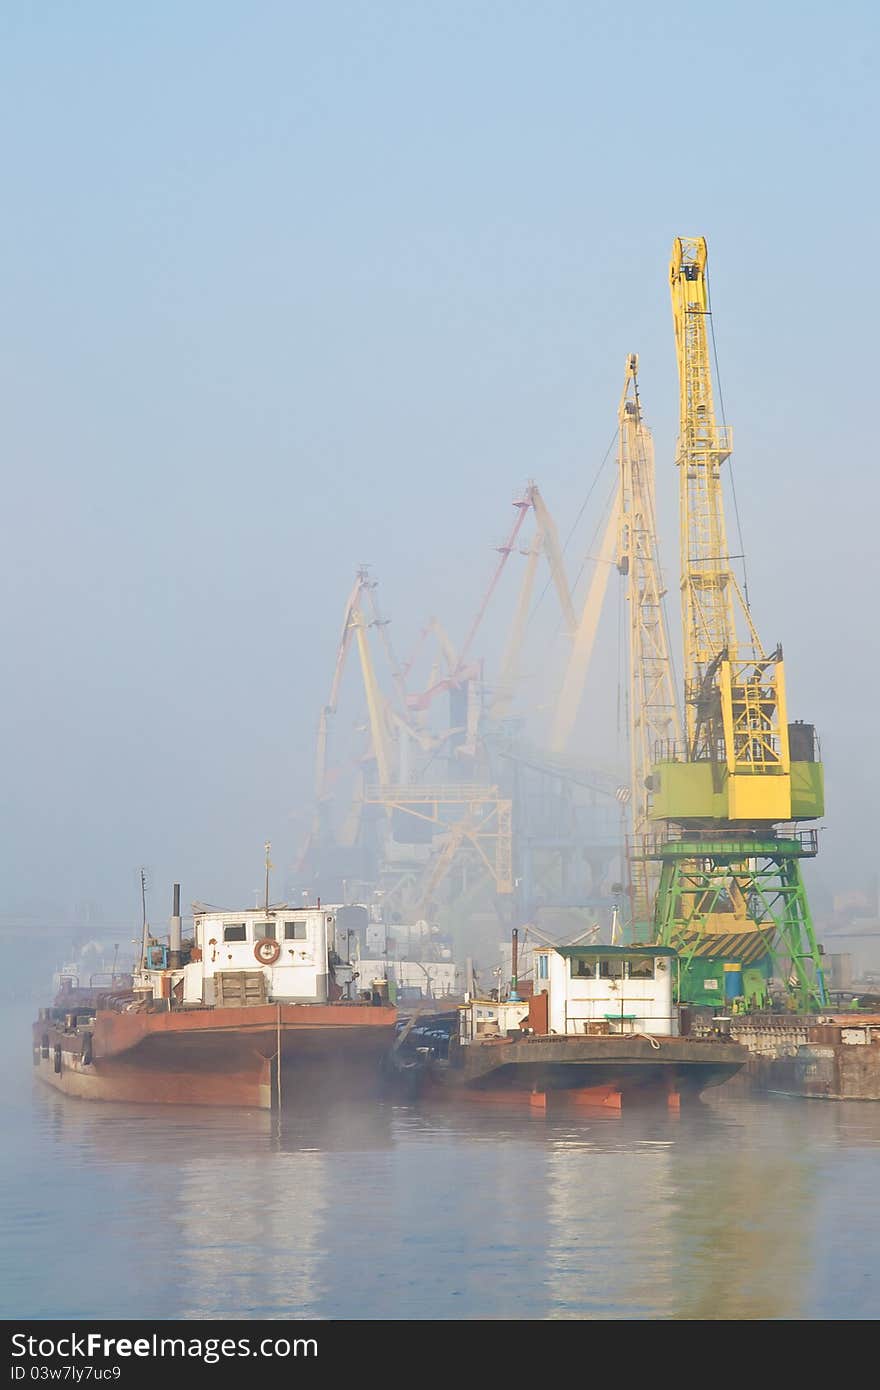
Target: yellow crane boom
(553,551)
(375,700)
(545,540)
(734,691)
(585,636)
(654,720)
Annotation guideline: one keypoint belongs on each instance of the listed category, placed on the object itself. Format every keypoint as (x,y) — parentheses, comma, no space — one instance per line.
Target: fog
(292,289)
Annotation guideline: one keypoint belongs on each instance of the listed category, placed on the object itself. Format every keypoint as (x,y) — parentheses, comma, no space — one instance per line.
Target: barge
(599,1028)
(258,1007)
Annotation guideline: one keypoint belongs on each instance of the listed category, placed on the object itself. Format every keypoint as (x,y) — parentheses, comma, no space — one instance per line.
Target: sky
(288,288)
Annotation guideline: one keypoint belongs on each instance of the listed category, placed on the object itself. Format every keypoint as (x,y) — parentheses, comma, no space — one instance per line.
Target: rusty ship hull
(609,1071)
(214,1056)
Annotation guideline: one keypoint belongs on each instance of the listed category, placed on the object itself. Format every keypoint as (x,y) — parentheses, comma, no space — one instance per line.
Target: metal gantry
(494,817)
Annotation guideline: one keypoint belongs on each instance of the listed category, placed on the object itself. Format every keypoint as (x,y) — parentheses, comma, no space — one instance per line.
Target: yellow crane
(545,540)
(734,691)
(654,720)
(354,625)
(584,635)
(731,887)
(458,815)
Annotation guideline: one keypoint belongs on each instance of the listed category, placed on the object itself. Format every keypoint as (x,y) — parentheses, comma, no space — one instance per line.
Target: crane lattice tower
(730,800)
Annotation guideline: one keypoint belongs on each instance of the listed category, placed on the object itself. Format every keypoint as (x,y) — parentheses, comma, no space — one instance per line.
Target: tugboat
(601,1029)
(258,1006)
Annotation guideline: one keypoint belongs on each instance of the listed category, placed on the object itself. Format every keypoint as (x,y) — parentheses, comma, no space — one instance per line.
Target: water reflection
(713,1214)
(135,1133)
(733,1209)
(244,1199)
(671,1219)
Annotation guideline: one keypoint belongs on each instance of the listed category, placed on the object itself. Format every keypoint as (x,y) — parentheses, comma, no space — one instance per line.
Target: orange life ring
(266,950)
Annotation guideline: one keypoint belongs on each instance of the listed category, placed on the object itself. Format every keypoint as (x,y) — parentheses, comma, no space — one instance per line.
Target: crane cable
(574,527)
(595,536)
(589,556)
(622,690)
(739,533)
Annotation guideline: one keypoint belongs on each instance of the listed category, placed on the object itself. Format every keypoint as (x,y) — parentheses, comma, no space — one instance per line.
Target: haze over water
(290,288)
(293,288)
(736,1209)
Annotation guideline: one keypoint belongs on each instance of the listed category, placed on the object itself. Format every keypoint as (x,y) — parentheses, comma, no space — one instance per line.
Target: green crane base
(739,898)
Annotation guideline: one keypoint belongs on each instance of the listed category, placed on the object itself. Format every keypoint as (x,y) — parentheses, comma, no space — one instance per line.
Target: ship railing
(783,837)
(668,750)
(622,1022)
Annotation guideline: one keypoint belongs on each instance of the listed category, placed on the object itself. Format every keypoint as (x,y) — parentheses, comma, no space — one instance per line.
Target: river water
(737,1208)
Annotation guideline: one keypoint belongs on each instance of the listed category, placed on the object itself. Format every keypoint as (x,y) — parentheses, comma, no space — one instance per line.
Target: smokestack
(174,939)
(514,965)
(469,984)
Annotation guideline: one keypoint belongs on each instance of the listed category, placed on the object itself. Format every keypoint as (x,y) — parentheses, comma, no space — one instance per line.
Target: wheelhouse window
(641,968)
(611,968)
(265,929)
(235,931)
(543,967)
(295,931)
(583,969)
